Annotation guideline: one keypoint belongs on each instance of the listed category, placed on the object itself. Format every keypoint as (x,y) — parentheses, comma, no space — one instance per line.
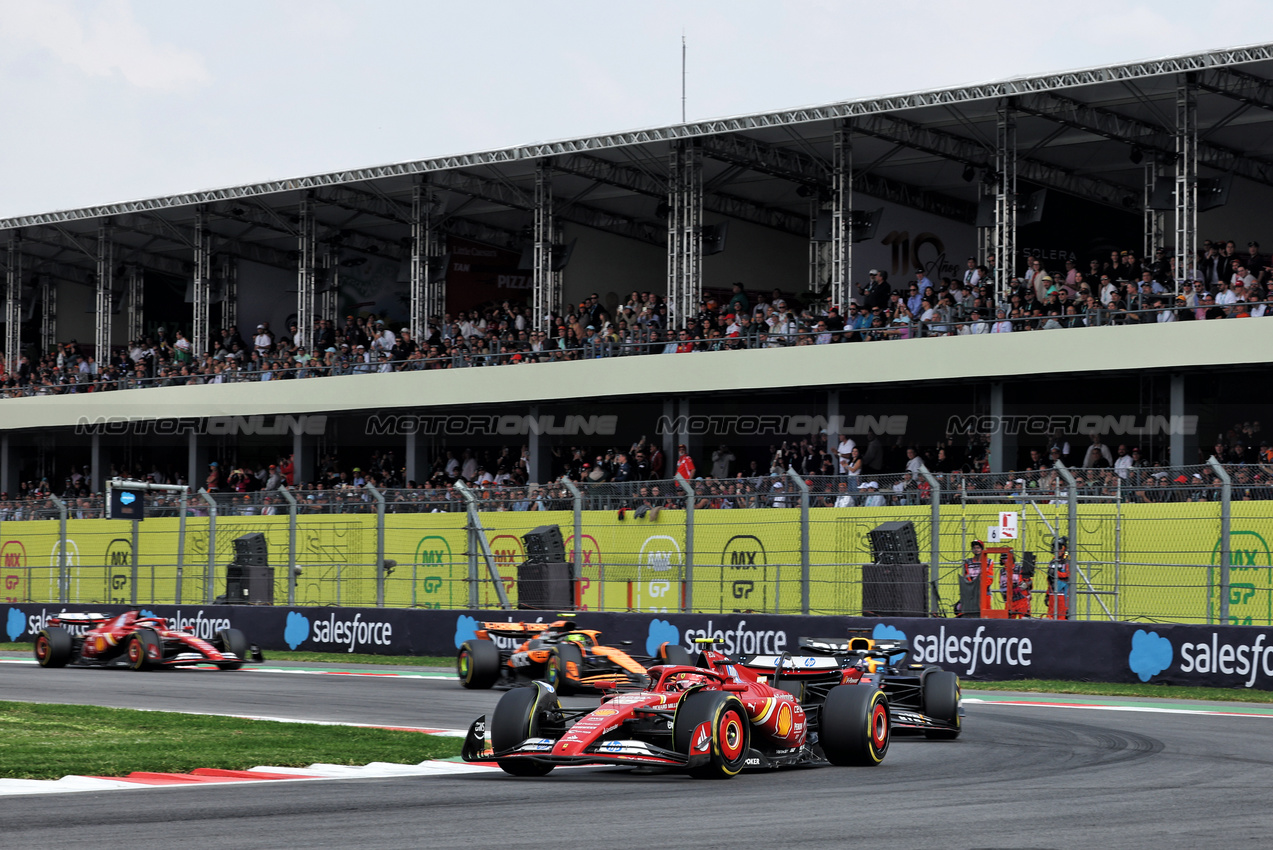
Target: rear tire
(477,664)
(233,641)
(144,650)
(941,702)
(520,714)
(855,726)
(730,732)
(563,669)
(54,647)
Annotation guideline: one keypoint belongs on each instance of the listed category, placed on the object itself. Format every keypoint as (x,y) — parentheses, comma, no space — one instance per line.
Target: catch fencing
(1184,545)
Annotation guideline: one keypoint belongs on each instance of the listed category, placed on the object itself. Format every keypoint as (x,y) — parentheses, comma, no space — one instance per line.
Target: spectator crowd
(1119,289)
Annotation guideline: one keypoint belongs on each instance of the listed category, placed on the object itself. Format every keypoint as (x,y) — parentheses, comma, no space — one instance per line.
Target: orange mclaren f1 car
(569,658)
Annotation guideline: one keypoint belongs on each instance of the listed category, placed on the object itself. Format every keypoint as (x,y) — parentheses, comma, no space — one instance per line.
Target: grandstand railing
(642,343)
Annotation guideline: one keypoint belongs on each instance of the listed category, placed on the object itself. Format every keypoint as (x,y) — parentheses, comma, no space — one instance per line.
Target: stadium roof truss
(1108,134)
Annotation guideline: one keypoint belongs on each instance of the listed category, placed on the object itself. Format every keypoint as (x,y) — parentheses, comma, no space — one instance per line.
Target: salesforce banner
(1214,656)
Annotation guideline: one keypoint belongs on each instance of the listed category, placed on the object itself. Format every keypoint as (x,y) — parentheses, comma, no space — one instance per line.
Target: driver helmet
(575,638)
(684,681)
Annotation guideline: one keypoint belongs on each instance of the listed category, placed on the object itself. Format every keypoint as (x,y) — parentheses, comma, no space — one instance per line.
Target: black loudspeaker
(544,585)
(251,550)
(252,585)
(249,580)
(894,543)
(544,544)
(894,590)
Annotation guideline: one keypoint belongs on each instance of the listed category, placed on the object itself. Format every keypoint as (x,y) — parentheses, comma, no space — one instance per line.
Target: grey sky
(124,99)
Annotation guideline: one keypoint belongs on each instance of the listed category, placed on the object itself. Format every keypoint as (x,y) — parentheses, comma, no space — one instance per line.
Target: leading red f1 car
(712,720)
(136,641)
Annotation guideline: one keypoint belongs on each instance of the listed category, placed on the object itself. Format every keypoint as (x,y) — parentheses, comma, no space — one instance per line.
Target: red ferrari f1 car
(712,720)
(142,643)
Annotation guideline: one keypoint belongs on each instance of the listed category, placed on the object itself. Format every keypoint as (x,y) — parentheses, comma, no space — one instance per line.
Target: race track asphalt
(1032,776)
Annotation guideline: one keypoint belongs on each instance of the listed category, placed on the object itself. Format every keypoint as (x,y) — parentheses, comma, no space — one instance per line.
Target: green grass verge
(50,741)
(1104,689)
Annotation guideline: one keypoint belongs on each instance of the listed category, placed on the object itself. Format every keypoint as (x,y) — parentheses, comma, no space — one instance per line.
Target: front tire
(520,714)
(144,650)
(729,727)
(235,642)
(54,647)
(941,702)
(477,664)
(855,726)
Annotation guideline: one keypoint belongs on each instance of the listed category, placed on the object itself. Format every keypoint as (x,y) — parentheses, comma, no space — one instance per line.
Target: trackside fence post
(1226,496)
(181,541)
(209,590)
(934,539)
(686,601)
(1072,523)
(63,580)
(380,545)
(804,545)
(291,544)
(576,567)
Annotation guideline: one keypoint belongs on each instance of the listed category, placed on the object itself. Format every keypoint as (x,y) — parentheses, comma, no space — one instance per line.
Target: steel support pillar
(13,306)
(48,314)
(199,336)
(329,294)
(684,232)
(998,448)
(1176,413)
(841,220)
(229,292)
(419,311)
(1186,176)
(1155,220)
(986,233)
(136,316)
(1006,198)
(546,283)
(102,308)
(819,251)
(307,238)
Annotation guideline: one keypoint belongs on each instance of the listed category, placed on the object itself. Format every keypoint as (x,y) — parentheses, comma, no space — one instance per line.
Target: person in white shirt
(873,498)
(1123,462)
(972,276)
(1001,325)
(844,449)
(262,342)
(1225,297)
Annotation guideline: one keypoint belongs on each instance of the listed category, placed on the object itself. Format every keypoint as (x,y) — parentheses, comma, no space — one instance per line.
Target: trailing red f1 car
(136,641)
(712,720)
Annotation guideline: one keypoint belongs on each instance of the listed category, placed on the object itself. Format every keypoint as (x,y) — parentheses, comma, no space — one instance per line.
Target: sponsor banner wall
(1148,561)
(991,650)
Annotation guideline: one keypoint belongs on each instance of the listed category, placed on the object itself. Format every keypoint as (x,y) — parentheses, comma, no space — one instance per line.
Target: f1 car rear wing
(67,618)
(503,629)
(877,647)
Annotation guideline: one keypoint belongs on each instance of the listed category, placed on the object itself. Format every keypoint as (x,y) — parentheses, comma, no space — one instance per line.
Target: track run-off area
(1029,770)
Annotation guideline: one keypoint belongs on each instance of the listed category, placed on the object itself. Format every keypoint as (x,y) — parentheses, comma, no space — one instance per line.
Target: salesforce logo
(297,629)
(884,632)
(465,629)
(1151,654)
(661,632)
(16,624)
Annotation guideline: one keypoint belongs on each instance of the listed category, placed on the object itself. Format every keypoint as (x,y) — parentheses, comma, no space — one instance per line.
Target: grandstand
(1124,171)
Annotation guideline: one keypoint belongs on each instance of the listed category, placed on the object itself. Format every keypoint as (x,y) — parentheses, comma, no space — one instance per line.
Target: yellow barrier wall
(1166,566)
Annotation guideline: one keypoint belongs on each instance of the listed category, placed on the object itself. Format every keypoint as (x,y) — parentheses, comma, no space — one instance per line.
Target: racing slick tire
(855,728)
(233,641)
(730,730)
(941,702)
(563,668)
(520,714)
(144,649)
(670,653)
(477,664)
(54,647)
